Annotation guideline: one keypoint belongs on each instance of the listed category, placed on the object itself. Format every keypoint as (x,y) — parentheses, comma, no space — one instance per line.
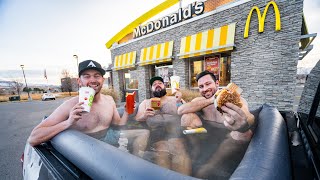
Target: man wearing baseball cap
(165,129)
(69,114)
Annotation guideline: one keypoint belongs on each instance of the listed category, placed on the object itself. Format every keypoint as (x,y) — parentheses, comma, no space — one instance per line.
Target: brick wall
(116,82)
(181,68)
(142,74)
(264,65)
(213,4)
(127,38)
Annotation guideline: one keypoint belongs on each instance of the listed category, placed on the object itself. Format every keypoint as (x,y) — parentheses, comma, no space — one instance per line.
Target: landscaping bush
(187,94)
(4,98)
(66,94)
(111,92)
(24,97)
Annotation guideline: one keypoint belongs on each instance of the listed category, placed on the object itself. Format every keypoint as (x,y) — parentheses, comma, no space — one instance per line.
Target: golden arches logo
(175,84)
(262,18)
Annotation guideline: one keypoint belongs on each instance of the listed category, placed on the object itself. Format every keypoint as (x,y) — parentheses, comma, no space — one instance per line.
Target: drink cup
(155,103)
(86,95)
(175,83)
(130,102)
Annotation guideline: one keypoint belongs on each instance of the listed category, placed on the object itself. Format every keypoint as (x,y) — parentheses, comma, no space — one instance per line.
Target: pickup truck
(285,145)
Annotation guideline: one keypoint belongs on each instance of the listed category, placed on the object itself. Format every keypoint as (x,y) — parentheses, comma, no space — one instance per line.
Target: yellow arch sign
(262,18)
(143,18)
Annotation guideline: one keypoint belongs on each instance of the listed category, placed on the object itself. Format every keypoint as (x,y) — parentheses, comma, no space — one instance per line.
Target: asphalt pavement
(17,120)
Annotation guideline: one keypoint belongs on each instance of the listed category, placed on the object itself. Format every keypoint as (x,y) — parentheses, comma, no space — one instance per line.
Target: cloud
(312,13)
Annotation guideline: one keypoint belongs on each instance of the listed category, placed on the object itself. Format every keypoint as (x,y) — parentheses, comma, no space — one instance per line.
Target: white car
(47,96)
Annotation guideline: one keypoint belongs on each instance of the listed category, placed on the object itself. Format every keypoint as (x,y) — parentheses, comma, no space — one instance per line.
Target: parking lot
(17,121)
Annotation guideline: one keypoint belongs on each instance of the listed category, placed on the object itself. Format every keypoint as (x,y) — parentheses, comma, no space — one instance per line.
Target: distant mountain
(34,77)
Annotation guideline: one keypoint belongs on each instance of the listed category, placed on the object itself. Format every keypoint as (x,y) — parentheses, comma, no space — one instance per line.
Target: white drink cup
(175,83)
(86,95)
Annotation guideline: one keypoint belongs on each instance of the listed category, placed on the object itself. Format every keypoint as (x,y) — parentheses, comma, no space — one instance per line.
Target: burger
(230,94)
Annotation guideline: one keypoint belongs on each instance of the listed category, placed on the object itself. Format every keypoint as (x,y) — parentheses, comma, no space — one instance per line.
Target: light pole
(29,98)
(76,57)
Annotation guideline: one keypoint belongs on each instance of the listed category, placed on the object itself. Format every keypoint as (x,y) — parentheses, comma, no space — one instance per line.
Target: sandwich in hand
(229,94)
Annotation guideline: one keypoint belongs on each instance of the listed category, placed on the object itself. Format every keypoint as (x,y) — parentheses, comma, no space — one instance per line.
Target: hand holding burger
(228,102)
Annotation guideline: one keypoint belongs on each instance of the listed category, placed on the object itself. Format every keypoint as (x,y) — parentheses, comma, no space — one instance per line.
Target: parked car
(285,145)
(48,96)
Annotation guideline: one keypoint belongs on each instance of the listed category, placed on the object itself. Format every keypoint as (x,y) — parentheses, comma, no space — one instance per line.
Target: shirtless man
(165,129)
(237,120)
(103,112)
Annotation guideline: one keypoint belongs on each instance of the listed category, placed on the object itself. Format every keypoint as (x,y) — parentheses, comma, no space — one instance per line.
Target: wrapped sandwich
(155,103)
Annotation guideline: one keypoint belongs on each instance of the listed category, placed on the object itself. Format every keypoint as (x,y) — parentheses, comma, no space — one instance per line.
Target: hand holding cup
(175,83)
(75,113)
(86,95)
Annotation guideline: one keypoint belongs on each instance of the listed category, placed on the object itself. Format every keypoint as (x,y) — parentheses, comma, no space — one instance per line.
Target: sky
(45,34)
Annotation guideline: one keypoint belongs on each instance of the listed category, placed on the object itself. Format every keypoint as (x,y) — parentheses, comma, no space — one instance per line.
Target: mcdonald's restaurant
(255,44)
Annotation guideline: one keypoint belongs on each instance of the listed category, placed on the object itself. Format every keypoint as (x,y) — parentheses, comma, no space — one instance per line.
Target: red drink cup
(130,102)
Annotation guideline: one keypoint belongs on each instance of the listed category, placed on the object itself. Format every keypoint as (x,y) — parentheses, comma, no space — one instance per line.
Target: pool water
(212,155)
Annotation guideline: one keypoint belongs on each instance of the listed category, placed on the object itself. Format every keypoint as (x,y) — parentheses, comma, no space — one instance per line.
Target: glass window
(107,81)
(212,65)
(130,82)
(165,72)
(195,68)
(220,66)
(225,71)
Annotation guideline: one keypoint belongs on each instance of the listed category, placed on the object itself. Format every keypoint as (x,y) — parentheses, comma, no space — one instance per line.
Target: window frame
(310,123)
(125,82)
(202,58)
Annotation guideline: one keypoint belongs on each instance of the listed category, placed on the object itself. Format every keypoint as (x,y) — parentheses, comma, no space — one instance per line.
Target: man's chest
(169,106)
(95,120)
(210,113)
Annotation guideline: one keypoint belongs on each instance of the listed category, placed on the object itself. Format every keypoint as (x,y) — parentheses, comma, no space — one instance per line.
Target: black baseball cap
(90,64)
(154,79)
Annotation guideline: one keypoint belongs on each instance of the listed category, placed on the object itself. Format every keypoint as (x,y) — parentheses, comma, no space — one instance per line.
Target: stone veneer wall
(309,90)
(116,82)
(263,65)
(142,74)
(181,68)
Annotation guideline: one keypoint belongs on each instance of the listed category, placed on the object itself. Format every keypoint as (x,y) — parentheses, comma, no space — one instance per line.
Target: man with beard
(165,129)
(224,149)
(70,114)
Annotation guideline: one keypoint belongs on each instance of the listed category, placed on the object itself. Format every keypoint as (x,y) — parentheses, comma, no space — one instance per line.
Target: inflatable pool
(267,155)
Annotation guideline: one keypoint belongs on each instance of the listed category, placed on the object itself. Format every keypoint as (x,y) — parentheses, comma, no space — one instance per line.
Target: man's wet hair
(206,72)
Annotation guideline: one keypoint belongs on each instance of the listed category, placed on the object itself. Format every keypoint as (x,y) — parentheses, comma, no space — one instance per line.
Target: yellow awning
(125,61)
(156,54)
(207,42)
